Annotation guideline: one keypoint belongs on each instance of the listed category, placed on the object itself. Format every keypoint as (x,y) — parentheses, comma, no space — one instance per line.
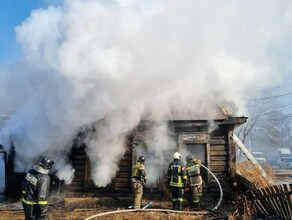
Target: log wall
(220,155)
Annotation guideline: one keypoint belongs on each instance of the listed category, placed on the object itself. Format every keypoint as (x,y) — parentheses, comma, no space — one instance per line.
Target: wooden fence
(274,200)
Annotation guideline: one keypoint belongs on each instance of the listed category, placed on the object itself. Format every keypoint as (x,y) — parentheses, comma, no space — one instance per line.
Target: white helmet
(177,156)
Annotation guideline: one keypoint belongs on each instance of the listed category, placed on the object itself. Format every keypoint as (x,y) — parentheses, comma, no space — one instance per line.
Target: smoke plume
(117,62)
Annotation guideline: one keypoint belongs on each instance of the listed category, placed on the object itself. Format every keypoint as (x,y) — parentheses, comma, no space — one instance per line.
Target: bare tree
(287,130)
(263,122)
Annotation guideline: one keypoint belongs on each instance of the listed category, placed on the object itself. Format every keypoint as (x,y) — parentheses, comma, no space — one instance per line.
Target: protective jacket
(193,172)
(138,176)
(138,172)
(35,190)
(176,174)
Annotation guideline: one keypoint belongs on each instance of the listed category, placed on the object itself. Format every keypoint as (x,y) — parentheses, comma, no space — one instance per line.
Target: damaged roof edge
(228,108)
(235,120)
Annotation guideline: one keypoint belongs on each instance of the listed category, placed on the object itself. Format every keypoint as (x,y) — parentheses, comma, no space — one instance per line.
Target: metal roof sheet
(201,110)
(228,108)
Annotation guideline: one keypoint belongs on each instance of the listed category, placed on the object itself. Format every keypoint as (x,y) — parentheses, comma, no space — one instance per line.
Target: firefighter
(138,178)
(35,190)
(176,176)
(195,181)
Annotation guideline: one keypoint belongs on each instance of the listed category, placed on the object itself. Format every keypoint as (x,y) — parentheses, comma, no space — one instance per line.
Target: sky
(119,61)
(12,14)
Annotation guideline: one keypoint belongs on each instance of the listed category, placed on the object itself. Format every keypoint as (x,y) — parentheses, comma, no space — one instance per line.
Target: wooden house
(206,132)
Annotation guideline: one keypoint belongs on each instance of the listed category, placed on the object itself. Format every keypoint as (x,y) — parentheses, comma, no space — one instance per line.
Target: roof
(228,108)
(203,110)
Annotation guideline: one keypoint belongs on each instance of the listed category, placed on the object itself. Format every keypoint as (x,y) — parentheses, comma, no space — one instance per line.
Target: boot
(195,205)
(179,206)
(174,205)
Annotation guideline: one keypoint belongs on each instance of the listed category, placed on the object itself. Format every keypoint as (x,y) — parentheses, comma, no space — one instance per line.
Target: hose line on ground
(146,210)
(166,210)
(221,191)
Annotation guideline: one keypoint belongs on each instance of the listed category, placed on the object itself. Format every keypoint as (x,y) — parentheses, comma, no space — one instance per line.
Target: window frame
(196,138)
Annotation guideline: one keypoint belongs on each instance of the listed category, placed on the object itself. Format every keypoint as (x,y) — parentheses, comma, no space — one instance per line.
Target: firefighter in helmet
(176,176)
(195,181)
(138,178)
(35,190)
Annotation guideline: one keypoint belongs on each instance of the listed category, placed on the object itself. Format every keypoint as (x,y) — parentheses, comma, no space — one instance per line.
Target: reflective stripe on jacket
(176,174)
(193,172)
(36,187)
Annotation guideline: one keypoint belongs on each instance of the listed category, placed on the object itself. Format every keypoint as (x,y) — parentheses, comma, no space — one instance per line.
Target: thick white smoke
(159,146)
(116,61)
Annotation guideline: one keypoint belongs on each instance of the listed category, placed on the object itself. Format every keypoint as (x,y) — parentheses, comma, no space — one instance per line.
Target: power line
(277,87)
(271,97)
(285,116)
(287,104)
(286,107)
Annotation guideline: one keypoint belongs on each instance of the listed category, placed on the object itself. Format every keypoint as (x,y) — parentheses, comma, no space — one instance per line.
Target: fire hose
(165,210)
(145,210)
(220,187)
